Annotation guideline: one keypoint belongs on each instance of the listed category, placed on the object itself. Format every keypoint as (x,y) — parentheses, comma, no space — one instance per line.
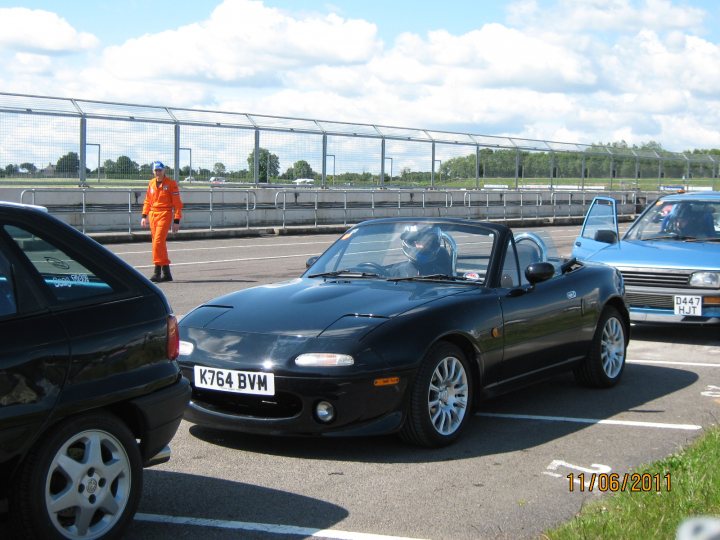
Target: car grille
(677,279)
(281,405)
(661,301)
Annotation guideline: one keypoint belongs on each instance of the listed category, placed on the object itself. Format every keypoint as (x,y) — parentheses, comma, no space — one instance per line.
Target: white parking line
(173,250)
(633,423)
(266,527)
(233,260)
(671,363)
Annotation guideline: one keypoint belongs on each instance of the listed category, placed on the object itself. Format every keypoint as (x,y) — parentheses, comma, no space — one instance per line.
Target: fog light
(186,348)
(325,412)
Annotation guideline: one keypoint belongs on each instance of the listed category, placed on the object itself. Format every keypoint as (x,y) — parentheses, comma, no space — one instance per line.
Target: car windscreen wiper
(661,237)
(435,277)
(681,238)
(699,239)
(344,272)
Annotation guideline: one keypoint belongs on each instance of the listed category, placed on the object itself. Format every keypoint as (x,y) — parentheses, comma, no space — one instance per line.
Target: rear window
(67,279)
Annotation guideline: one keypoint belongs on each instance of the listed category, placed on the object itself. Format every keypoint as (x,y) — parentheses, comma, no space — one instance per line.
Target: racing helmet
(422,246)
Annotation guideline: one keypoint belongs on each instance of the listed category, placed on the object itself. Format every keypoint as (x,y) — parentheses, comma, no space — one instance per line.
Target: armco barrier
(115,210)
(376,203)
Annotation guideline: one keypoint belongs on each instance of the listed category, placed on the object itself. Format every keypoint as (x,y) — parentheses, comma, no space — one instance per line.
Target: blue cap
(157,165)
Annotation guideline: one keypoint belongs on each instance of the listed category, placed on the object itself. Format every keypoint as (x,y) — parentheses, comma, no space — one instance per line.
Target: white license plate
(239,382)
(687,305)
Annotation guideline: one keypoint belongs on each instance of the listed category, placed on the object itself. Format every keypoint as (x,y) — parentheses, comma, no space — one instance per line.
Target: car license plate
(239,382)
(688,305)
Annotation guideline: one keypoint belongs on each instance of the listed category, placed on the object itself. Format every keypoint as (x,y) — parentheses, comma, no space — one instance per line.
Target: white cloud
(245,42)
(493,56)
(35,30)
(30,64)
(565,70)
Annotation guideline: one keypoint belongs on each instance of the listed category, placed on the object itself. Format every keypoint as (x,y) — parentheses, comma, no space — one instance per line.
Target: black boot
(156,275)
(166,275)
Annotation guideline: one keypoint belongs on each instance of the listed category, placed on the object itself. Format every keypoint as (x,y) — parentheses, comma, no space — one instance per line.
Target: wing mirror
(311,261)
(539,271)
(606,236)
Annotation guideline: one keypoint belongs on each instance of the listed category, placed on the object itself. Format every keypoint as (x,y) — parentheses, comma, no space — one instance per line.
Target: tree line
(124,167)
(488,163)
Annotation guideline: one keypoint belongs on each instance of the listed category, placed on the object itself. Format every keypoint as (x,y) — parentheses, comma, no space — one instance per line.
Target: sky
(583,71)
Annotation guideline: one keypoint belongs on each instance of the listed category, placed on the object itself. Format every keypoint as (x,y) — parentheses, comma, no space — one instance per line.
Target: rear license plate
(239,382)
(687,305)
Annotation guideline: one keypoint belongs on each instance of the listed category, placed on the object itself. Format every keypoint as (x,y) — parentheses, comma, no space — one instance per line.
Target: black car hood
(306,307)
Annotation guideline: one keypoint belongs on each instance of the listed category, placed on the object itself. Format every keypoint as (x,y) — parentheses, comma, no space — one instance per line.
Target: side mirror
(311,261)
(606,236)
(539,271)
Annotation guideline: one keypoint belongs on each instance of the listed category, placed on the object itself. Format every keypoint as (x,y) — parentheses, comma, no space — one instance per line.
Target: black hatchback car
(90,392)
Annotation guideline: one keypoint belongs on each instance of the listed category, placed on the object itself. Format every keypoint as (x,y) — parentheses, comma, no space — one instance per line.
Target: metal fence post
(176,156)
(382,162)
(323,181)
(256,158)
(432,167)
(130,192)
(83,153)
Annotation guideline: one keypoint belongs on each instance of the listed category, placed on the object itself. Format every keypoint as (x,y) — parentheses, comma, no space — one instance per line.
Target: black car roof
(21,207)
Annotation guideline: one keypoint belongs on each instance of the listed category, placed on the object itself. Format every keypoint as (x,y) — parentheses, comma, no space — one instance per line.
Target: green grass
(694,491)
(619,184)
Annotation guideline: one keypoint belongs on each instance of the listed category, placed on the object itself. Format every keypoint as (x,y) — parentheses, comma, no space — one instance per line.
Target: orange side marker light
(386,381)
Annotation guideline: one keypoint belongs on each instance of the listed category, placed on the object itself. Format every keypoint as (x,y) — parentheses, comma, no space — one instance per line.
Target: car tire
(440,399)
(605,362)
(82,480)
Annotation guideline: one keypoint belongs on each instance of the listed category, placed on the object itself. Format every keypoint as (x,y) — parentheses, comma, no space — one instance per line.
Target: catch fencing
(43,139)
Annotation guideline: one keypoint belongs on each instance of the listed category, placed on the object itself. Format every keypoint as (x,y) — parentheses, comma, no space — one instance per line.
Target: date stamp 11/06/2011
(614,482)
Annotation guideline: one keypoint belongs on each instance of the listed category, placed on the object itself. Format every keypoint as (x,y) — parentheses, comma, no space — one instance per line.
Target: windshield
(678,220)
(410,250)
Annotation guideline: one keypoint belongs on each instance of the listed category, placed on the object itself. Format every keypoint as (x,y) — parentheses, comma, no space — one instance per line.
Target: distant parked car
(90,392)
(190,179)
(402,325)
(304,182)
(669,258)
(217,179)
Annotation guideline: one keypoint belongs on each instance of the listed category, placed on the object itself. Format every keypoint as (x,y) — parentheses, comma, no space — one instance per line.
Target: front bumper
(361,407)
(654,305)
(666,316)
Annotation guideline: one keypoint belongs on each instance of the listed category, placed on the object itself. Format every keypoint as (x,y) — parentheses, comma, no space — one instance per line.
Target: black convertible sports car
(402,325)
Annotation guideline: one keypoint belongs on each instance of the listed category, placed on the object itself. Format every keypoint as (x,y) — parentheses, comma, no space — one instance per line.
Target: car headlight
(324,360)
(706,280)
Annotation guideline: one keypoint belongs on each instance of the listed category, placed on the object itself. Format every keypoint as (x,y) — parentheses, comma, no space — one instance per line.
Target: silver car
(669,257)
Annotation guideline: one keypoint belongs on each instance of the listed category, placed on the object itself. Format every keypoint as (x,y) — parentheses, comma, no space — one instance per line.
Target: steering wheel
(373,267)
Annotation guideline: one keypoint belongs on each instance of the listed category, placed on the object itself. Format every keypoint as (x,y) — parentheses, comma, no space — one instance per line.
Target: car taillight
(173,338)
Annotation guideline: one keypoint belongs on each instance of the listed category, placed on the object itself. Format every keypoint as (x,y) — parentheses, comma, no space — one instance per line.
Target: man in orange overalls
(163,209)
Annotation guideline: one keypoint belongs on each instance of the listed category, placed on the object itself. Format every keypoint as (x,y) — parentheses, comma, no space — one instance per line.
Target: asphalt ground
(507,477)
